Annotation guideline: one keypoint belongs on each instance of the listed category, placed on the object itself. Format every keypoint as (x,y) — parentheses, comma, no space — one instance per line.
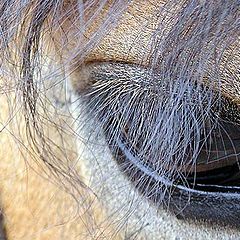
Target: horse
(119,119)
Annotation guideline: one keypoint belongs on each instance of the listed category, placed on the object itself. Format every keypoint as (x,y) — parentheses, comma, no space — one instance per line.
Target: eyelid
(127,74)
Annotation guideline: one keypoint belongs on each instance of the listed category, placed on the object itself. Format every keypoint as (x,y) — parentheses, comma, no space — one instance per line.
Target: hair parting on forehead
(186,49)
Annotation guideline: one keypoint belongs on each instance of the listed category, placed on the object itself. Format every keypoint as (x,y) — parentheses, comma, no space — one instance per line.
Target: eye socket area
(219,141)
(213,176)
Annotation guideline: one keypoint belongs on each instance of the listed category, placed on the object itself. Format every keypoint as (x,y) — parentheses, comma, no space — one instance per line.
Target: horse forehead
(129,39)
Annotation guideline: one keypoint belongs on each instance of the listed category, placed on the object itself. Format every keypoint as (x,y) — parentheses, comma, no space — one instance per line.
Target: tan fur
(33,206)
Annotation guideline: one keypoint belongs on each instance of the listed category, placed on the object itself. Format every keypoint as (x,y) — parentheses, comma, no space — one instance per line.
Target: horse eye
(217,164)
(168,139)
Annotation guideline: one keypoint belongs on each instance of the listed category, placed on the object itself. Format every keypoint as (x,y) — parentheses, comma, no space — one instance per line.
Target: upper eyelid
(90,73)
